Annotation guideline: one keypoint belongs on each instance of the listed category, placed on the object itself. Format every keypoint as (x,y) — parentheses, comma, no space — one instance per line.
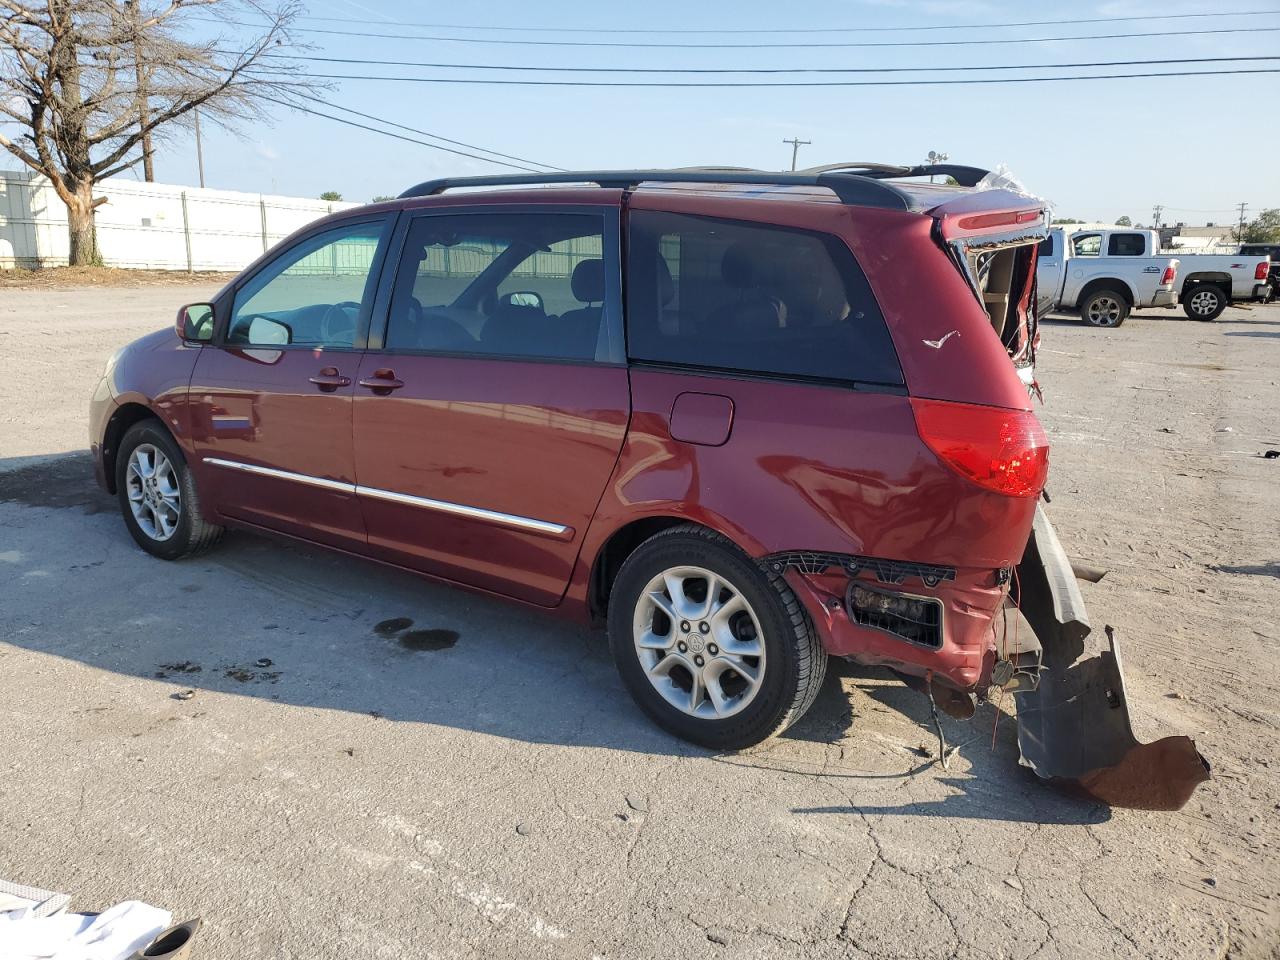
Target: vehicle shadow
(1252,569)
(985,781)
(1267,334)
(308,627)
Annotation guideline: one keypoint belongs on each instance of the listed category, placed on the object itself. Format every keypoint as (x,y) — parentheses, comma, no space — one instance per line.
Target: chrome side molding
(528,524)
(282,475)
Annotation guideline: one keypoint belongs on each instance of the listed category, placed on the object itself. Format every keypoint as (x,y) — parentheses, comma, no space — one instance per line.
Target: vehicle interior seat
(516,330)
(415,327)
(580,329)
(755,310)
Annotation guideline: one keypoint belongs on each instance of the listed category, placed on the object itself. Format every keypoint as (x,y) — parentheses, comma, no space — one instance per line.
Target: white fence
(150,225)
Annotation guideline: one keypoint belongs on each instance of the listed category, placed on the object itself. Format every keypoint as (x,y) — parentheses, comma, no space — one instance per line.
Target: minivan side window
(313,294)
(1089,245)
(1126,245)
(502,284)
(732,295)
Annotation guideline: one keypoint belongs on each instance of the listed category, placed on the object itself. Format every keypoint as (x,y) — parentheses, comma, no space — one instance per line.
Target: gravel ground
(488,790)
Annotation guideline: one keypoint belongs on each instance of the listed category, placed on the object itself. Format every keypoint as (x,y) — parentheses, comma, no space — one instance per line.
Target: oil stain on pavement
(417,640)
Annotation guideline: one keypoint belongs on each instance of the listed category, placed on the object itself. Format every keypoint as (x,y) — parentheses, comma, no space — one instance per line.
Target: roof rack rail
(861,189)
(965,176)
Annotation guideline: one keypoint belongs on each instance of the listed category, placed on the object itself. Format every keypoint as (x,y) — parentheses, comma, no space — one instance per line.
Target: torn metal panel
(1074,728)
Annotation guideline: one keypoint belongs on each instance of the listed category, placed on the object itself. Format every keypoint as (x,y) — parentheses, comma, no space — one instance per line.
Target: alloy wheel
(155,496)
(1204,303)
(1104,312)
(699,642)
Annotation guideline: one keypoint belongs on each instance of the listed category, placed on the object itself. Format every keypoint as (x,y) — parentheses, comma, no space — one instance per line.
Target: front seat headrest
(587,282)
(738,267)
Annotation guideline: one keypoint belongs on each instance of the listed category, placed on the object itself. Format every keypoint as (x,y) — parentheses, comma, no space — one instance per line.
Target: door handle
(382,382)
(329,379)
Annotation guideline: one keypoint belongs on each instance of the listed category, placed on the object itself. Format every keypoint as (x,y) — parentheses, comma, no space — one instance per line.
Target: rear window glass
(1126,245)
(762,299)
(1046,246)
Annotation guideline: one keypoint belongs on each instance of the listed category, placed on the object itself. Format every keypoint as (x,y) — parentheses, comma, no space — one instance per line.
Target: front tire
(158,496)
(1105,308)
(714,649)
(1204,302)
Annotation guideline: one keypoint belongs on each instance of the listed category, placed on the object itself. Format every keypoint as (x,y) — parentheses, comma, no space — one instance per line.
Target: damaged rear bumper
(1074,727)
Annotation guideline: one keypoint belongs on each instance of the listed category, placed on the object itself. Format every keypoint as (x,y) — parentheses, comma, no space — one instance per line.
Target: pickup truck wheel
(712,647)
(1204,302)
(1105,308)
(158,495)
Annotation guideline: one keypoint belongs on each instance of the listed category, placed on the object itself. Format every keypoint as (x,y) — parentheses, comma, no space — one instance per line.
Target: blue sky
(1096,149)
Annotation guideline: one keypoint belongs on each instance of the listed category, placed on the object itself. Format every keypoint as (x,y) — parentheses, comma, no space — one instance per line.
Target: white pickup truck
(1103,273)
(1092,257)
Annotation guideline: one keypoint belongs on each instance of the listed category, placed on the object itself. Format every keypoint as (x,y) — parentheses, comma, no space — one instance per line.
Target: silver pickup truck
(1103,273)
(1085,262)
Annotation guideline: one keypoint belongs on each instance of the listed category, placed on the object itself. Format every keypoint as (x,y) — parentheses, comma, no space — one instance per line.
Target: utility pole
(140,72)
(1240,231)
(1155,214)
(796,144)
(199,150)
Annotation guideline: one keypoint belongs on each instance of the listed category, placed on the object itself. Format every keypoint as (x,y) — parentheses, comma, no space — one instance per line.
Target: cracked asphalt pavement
(476,783)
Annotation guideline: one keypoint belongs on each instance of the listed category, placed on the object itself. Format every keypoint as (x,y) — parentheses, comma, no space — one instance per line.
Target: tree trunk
(81,229)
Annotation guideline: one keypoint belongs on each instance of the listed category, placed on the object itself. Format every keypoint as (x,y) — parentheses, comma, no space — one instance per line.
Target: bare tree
(88,82)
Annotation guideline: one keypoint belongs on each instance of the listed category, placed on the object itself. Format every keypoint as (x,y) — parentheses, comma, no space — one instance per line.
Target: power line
(989,41)
(966,81)
(388,133)
(764,70)
(775,30)
(426,133)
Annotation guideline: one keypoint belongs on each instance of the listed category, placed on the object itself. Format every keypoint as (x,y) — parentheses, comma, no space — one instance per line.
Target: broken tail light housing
(908,617)
(1002,450)
(1260,271)
(1170,272)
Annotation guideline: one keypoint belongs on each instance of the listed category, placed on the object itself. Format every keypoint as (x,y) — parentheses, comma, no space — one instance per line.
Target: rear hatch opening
(1073,717)
(996,251)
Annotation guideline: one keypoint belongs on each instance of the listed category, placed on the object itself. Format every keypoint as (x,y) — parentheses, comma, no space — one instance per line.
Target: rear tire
(158,495)
(1105,308)
(1205,301)
(725,670)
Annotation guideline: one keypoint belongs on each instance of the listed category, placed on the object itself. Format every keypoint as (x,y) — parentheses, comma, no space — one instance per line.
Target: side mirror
(523,298)
(195,323)
(263,331)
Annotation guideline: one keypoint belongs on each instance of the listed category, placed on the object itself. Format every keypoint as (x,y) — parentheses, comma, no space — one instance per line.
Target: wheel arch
(125,416)
(1106,283)
(1218,279)
(622,542)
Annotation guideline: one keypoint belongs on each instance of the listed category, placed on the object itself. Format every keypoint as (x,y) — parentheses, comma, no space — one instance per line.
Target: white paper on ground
(111,935)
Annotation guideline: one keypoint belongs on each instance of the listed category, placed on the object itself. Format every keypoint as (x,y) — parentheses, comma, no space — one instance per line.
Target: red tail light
(1002,450)
(1260,271)
(1169,273)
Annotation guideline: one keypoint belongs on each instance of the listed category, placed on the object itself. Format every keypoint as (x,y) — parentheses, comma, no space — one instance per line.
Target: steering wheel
(338,325)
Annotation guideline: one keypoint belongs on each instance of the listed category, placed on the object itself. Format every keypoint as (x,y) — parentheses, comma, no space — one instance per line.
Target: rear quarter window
(1126,245)
(730,295)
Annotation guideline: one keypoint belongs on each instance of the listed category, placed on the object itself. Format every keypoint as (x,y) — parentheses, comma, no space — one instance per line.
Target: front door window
(315,295)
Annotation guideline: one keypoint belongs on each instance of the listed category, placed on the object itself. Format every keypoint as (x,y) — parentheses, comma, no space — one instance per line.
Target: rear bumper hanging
(1074,727)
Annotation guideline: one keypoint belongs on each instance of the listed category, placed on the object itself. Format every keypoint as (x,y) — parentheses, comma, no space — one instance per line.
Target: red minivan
(748,420)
